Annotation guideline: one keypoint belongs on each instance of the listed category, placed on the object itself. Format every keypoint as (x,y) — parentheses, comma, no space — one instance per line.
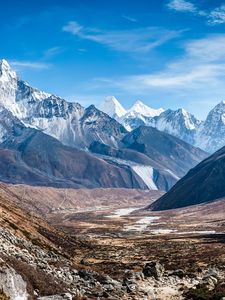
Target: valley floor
(118,236)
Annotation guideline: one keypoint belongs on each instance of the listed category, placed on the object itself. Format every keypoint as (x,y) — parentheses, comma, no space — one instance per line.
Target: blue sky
(168,53)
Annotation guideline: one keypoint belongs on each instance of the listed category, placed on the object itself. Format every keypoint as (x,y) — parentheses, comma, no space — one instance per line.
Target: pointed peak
(139,102)
(6,71)
(219,108)
(183,111)
(112,107)
(111,99)
(222,103)
(4,64)
(145,110)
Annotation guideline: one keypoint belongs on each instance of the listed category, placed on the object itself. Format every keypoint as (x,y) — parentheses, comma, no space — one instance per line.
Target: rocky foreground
(31,271)
(38,261)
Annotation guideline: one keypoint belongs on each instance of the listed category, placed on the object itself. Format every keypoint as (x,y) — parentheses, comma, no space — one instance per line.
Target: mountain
(30,156)
(138,115)
(112,107)
(70,123)
(179,123)
(202,184)
(77,126)
(208,135)
(142,109)
(158,158)
(133,117)
(211,135)
(176,155)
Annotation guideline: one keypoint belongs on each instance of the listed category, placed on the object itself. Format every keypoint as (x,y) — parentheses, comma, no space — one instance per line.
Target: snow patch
(147,175)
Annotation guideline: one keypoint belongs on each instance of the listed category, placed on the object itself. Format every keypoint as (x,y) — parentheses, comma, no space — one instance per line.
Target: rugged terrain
(160,159)
(207,134)
(117,250)
(45,140)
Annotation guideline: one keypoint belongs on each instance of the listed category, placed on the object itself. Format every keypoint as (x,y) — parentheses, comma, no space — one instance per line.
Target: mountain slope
(139,114)
(70,123)
(142,109)
(175,154)
(211,136)
(203,183)
(153,155)
(179,123)
(112,107)
(30,156)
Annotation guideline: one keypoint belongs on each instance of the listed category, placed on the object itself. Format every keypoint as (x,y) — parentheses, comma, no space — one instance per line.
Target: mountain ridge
(204,183)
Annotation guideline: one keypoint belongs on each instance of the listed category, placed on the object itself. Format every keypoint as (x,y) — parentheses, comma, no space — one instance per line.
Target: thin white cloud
(217,16)
(73,27)
(182,6)
(134,40)
(202,65)
(29,65)
(51,52)
(213,17)
(131,19)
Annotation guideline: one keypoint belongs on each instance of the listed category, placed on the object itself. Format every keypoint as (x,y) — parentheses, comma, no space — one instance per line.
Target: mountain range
(208,135)
(46,140)
(160,159)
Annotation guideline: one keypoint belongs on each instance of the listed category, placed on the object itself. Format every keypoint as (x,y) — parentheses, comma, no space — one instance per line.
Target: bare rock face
(153,269)
(11,283)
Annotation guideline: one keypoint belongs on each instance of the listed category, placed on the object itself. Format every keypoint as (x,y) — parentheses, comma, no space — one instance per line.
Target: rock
(84,262)
(153,269)
(209,282)
(12,284)
(179,273)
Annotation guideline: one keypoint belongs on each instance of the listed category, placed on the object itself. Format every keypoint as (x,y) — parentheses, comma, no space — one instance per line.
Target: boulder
(11,283)
(153,269)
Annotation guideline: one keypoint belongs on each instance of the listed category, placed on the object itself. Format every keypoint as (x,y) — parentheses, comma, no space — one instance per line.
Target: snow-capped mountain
(77,126)
(70,123)
(112,107)
(144,110)
(208,135)
(137,114)
(211,135)
(179,123)
(133,117)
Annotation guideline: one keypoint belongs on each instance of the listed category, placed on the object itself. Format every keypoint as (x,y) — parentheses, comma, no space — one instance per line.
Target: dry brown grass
(3,296)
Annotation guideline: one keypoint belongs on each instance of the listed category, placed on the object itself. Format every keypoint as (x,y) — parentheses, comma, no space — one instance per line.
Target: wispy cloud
(29,65)
(134,40)
(131,19)
(51,52)
(202,65)
(213,17)
(182,5)
(217,16)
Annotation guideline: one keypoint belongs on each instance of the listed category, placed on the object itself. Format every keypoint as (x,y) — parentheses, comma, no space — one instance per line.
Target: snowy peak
(212,135)
(141,108)
(216,115)
(4,65)
(6,73)
(189,121)
(112,107)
